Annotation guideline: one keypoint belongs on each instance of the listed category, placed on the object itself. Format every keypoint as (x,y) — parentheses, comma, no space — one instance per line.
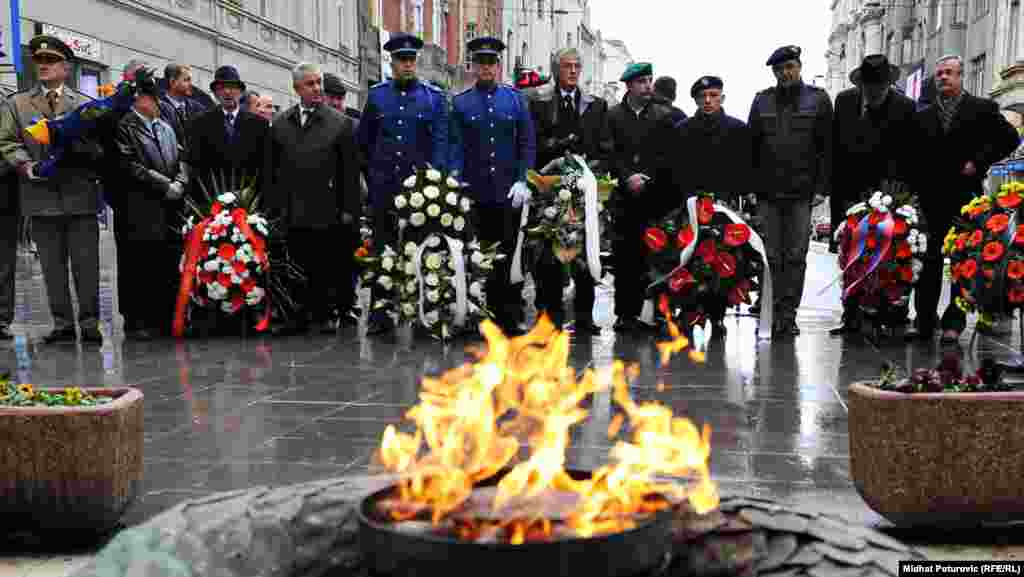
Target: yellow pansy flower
(27,390)
(73,396)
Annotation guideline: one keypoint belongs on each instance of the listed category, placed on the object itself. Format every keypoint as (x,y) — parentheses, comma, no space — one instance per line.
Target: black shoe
(5,333)
(718,330)
(583,328)
(916,334)
(379,327)
(626,325)
(139,335)
(64,335)
(93,335)
(844,329)
(786,329)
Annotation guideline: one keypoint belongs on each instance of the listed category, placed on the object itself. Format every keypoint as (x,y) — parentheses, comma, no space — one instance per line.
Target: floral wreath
(435,276)
(226,264)
(985,246)
(689,266)
(881,249)
(566,209)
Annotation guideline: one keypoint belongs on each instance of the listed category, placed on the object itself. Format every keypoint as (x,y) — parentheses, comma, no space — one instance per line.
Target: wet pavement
(231,413)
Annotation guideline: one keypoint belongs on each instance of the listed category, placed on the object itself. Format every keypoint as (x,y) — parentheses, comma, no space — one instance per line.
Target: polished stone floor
(231,413)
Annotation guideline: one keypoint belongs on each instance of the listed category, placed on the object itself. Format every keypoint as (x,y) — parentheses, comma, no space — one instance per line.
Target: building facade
(985,33)
(427,20)
(264,39)
(616,59)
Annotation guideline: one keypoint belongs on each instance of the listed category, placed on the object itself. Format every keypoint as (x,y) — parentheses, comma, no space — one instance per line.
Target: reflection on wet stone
(232,413)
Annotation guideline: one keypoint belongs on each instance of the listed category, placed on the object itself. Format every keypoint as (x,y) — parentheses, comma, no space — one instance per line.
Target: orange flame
(473,420)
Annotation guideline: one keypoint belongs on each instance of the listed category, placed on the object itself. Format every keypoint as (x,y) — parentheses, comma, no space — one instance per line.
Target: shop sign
(84,47)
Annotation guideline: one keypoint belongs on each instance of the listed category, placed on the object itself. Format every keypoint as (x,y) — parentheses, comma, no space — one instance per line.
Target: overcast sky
(732,39)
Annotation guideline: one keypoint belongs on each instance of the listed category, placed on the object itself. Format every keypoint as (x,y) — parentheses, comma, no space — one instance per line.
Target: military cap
(486,45)
(638,70)
(705,82)
(333,85)
(46,44)
(403,43)
(783,54)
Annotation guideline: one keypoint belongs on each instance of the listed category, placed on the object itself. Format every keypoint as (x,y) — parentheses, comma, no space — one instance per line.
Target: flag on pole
(16,36)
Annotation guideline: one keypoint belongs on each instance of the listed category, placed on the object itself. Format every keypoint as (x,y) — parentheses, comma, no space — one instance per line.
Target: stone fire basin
(311,530)
(950,459)
(70,468)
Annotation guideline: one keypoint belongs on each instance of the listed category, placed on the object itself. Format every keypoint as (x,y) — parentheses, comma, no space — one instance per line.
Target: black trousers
(629,253)
(501,224)
(147,281)
(929,286)
(328,287)
(9,229)
(550,279)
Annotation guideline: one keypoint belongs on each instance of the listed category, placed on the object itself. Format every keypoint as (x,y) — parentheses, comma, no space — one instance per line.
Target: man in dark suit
(961,135)
(227,144)
(566,120)
(176,105)
(313,185)
(871,131)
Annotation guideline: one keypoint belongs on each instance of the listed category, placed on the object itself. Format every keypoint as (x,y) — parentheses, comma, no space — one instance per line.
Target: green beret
(638,70)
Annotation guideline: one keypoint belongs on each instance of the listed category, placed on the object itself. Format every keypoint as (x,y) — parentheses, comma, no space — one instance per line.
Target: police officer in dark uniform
(712,153)
(493,145)
(637,127)
(791,125)
(403,127)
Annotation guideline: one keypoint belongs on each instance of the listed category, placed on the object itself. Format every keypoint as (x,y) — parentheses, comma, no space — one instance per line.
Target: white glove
(175,191)
(519,194)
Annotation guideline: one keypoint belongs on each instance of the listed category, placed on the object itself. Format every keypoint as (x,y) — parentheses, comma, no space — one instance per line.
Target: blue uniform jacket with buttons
(399,132)
(492,141)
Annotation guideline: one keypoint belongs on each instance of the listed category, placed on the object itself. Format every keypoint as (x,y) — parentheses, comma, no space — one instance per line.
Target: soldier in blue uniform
(492,146)
(403,127)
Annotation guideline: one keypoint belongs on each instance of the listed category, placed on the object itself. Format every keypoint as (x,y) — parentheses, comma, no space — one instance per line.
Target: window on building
(417,24)
(1012,37)
(317,21)
(980,8)
(469,35)
(508,44)
(568,38)
(938,13)
(523,56)
(540,9)
(959,11)
(265,8)
(976,80)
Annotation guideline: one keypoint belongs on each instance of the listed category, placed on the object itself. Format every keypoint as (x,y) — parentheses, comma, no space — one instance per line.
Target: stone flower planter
(950,459)
(70,468)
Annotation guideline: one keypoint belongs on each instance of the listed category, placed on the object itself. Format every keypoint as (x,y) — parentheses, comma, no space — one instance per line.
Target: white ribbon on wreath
(455,250)
(764,330)
(591,224)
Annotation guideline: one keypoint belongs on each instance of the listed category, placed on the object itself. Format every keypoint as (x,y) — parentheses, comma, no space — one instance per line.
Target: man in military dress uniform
(493,146)
(791,125)
(567,121)
(403,127)
(62,207)
(10,219)
(637,127)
